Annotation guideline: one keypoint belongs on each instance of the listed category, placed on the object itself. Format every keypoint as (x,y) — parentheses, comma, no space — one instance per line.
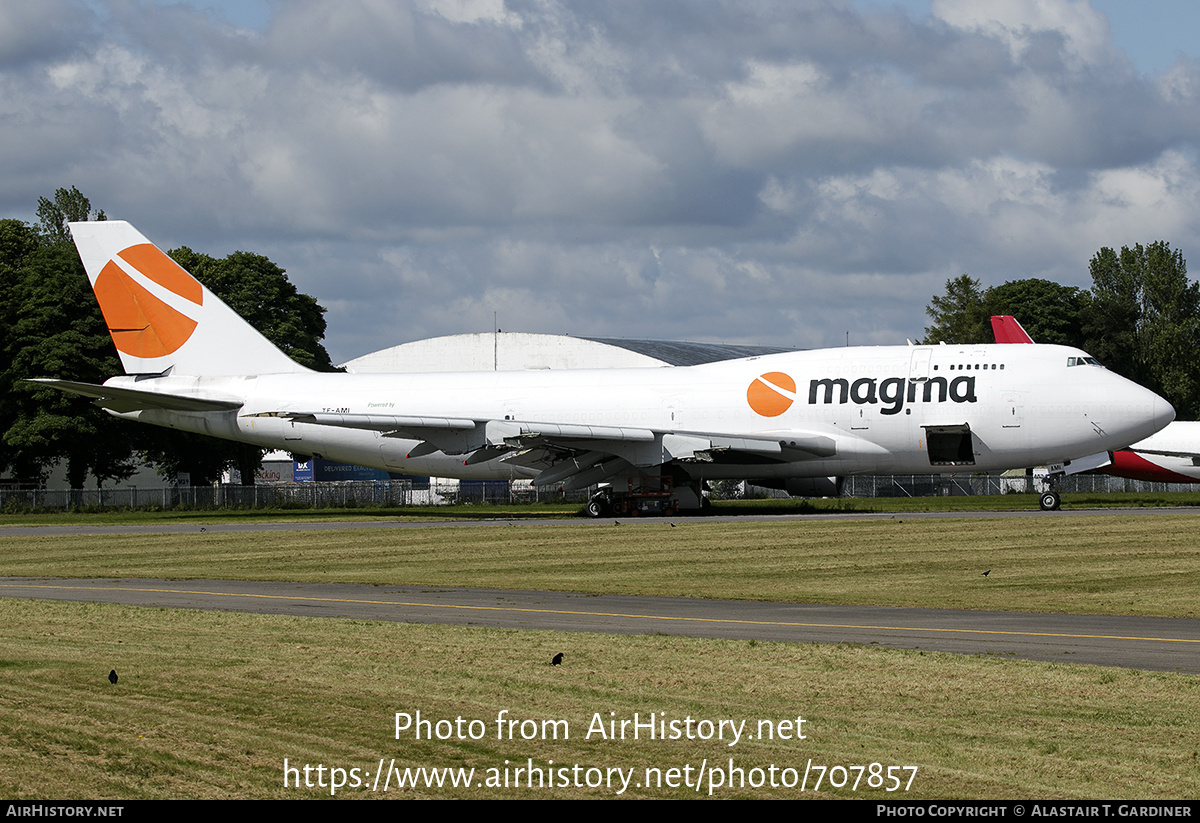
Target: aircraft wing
(406,425)
(128,400)
(576,455)
(397,424)
(1165,452)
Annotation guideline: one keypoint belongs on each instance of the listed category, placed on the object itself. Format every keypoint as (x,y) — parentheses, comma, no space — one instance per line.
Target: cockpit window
(1083,361)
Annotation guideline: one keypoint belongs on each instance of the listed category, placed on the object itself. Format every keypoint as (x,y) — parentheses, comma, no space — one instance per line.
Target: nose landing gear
(1049,501)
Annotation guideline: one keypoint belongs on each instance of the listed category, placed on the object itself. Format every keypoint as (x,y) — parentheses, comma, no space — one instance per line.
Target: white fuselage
(872,407)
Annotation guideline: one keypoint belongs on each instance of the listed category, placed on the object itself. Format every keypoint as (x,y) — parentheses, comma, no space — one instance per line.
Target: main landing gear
(1049,501)
(598,506)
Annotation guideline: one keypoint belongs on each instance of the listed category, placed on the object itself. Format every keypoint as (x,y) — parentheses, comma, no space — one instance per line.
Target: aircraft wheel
(1049,502)
(596,507)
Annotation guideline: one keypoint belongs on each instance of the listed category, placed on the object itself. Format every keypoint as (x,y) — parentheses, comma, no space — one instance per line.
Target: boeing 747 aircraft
(797,421)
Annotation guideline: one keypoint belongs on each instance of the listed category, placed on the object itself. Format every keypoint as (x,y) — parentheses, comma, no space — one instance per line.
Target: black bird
(986,573)
(112,677)
(557,661)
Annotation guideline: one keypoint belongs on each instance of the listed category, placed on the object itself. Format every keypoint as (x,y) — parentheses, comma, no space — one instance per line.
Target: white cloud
(771,171)
(1017,23)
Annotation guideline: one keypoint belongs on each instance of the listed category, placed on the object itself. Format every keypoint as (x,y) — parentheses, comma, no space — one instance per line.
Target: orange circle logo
(771,394)
(141,324)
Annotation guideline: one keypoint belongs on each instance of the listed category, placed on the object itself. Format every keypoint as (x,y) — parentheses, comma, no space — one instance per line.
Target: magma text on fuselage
(891,390)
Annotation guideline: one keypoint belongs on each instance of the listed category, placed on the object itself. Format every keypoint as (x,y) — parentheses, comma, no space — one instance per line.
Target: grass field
(210,704)
(1094,565)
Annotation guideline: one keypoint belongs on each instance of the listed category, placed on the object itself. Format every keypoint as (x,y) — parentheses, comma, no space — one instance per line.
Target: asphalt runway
(1164,644)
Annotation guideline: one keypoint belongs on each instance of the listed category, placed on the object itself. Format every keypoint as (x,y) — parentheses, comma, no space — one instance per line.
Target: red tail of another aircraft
(1008,330)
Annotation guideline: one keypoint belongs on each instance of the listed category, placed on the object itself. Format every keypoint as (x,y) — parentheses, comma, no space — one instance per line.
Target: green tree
(1049,312)
(260,292)
(18,241)
(960,316)
(1144,321)
(53,327)
(68,206)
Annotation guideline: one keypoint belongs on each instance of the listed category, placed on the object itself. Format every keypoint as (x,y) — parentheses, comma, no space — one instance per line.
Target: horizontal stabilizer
(123,400)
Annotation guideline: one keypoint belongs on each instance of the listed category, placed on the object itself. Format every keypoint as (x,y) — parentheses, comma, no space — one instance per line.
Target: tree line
(1141,318)
(52,327)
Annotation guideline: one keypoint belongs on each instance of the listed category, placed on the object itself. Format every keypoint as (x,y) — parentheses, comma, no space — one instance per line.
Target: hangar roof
(509,351)
(679,353)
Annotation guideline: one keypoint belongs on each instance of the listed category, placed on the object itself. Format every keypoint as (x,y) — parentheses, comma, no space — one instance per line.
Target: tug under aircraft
(798,421)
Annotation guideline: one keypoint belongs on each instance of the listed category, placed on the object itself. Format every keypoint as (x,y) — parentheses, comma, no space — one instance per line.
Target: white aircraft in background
(1170,456)
(797,421)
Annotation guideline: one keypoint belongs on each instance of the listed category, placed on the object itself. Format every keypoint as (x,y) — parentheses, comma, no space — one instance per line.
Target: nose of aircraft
(1145,412)
(1163,413)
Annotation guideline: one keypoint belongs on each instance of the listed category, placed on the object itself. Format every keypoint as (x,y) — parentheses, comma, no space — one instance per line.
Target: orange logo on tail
(771,394)
(141,324)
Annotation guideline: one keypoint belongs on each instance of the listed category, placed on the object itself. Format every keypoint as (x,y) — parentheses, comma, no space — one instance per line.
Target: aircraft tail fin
(1008,330)
(160,317)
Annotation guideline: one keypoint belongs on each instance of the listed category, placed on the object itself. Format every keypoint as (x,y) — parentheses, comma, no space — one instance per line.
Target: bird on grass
(986,573)
(112,677)
(557,660)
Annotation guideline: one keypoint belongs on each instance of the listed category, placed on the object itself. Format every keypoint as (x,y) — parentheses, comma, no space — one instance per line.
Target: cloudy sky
(773,172)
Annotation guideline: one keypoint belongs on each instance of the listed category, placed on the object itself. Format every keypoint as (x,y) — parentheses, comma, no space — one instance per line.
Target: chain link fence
(347,494)
(949,485)
(396,493)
